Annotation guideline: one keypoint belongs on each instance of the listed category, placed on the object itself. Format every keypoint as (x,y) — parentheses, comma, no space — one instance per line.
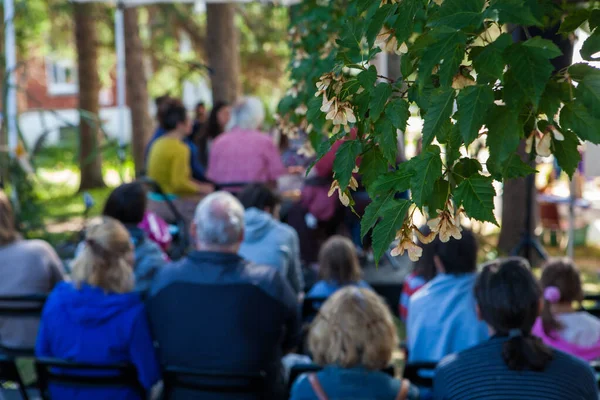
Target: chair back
(10,373)
(420,374)
(310,307)
(51,371)
(591,304)
(300,369)
(21,306)
(596,367)
(211,381)
(391,293)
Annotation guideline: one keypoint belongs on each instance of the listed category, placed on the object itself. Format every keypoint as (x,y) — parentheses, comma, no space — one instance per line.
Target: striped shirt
(480,373)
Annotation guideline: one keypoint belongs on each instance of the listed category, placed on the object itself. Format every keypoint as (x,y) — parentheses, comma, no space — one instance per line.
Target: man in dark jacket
(214,311)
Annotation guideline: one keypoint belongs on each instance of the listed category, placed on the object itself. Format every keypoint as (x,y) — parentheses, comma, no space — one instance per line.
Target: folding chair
(212,381)
(420,374)
(10,373)
(300,369)
(52,371)
(21,306)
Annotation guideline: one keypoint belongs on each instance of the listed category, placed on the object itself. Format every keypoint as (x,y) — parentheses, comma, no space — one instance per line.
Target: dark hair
(211,130)
(171,114)
(160,102)
(425,267)
(200,104)
(259,196)
(458,256)
(338,261)
(561,273)
(508,297)
(127,203)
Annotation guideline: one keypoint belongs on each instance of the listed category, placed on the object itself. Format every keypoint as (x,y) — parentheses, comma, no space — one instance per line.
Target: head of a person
(217,120)
(219,223)
(456,256)
(338,261)
(200,111)
(160,102)
(508,300)
(106,260)
(354,327)
(127,203)
(8,230)
(174,117)
(425,266)
(258,195)
(249,114)
(561,284)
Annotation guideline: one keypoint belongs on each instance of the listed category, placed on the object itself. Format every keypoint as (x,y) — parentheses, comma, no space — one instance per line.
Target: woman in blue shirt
(338,267)
(353,337)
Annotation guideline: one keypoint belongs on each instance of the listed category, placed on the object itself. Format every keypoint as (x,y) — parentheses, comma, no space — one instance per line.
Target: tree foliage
(464,75)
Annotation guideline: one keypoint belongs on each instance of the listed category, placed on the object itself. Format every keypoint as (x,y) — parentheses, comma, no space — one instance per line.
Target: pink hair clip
(552,294)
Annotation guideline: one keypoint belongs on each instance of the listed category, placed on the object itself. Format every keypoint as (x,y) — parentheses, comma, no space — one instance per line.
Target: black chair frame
(10,373)
(300,369)
(72,374)
(414,373)
(21,306)
(200,380)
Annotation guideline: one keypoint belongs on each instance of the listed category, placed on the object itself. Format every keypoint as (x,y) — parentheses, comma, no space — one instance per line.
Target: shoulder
(39,246)
(285,232)
(571,363)
(170,273)
(321,289)
(302,390)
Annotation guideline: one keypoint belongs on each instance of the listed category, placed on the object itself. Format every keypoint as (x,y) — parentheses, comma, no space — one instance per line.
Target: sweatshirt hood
(257,224)
(90,305)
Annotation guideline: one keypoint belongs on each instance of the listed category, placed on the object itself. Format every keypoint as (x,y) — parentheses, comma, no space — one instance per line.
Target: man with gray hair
(214,311)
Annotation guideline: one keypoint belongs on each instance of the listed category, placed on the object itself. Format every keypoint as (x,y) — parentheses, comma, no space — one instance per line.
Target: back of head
(458,256)
(338,261)
(172,113)
(213,127)
(107,258)
(561,284)
(219,222)
(8,231)
(353,328)
(508,298)
(249,114)
(127,203)
(259,196)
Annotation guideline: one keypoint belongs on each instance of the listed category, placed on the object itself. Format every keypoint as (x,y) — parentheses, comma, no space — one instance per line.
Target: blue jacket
(324,289)
(270,242)
(88,325)
(442,318)
(149,258)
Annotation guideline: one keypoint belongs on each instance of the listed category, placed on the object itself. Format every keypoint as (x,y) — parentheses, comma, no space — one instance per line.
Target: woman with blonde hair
(353,337)
(28,267)
(97,318)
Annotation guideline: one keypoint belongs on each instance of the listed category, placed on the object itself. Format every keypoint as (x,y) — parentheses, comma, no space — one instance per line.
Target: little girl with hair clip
(560,326)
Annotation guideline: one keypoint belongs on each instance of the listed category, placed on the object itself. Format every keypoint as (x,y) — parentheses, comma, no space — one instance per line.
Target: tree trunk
(137,89)
(223,51)
(514,212)
(90,155)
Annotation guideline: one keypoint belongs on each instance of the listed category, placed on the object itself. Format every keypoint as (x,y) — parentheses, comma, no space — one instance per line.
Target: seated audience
(353,337)
(217,122)
(244,154)
(338,267)
(169,166)
(127,204)
(199,121)
(28,267)
(96,318)
(560,326)
(266,240)
(424,271)
(441,315)
(161,103)
(513,364)
(214,311)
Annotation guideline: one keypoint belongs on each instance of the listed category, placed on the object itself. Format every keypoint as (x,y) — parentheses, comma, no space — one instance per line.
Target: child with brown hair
(560,326)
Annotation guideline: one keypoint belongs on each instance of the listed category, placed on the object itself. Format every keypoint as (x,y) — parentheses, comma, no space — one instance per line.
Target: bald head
(219,223)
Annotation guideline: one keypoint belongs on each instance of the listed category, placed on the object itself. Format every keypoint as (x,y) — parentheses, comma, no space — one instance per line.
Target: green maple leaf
(504,132)
(465,168)
(566,152)
(574,20)
(407,10)
(379,97)
(473,105)
(512,167)
(397,181)
(575,116)
(373,164)
(386,137)
(588,91)
(439,112)
(449,46)
(427,168)
(393,216)
(398,113)
(460,14)
(345,161)
(373,212)
(594,20)
(378,20)
(368,77)
(488,61)
(437,200)
(591,46)
(511,12)
(554,95)
(476,194)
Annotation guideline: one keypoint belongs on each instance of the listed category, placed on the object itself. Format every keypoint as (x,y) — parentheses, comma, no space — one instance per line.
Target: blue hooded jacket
(88,325)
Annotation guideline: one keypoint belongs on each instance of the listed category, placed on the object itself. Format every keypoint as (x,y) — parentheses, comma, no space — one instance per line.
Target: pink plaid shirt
(244,156)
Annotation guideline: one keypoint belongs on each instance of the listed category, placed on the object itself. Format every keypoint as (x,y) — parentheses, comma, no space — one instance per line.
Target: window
(61,77)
